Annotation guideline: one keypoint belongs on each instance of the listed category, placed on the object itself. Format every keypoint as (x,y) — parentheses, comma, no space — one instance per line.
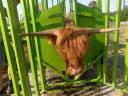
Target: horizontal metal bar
(74,82)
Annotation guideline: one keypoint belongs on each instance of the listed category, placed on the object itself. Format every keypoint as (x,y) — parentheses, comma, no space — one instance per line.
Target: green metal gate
(43,54)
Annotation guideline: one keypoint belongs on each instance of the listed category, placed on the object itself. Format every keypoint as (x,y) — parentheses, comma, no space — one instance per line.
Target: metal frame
(30,14)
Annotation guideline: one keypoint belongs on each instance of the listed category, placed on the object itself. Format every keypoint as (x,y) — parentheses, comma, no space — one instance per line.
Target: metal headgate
(31,21)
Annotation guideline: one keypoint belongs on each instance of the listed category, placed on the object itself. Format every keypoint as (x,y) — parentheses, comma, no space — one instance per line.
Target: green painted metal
(18,49)
(34,70)
(55,70)
(71,8)
(75,82)
(106,42)
(27,5)
(99,71)
(126,66)
(28,27)
(27,9)
(53,18)
(45,55)
(97,59)
(71,5)
(75,12)
(41,68)
(76,78)
(99,4)
(116,43)
(80,82)
(44,4)
(126,62)
(9,51)
(35,6)
(93,17)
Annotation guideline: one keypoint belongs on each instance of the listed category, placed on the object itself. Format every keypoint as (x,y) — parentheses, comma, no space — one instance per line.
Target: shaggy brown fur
(73,48)
(72,43)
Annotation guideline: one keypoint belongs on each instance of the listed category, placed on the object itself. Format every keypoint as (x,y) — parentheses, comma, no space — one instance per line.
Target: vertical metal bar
(41,68)
(126,62)
(71,5)
(126,66)
(35,6)
(27,9)
(18,49)
(75,12)
(44,4)
(106,42)
(99,71)
(29,42)
(33,66)
(71,8)
(64,3)
(33,14)
(116,42)
(52,2)
(27,4)
(9,54)
(99,4)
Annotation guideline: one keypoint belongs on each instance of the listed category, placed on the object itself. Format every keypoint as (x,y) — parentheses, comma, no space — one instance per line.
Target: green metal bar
(74,82)
(99,71)
(106,42)
(27,26)
(75,12)
(18,49)
(35,6)
(33,66)
(44,4)
(71,8)
(27,4)
(71,5)
(116,42)
(55,70)
(27,9)
(34,13)
(99,4)
(98,58)
(8,49)
(126,65)
(64,2)
(41,68)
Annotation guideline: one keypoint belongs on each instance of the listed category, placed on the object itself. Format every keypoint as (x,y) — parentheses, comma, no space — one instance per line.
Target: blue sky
(86,2)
